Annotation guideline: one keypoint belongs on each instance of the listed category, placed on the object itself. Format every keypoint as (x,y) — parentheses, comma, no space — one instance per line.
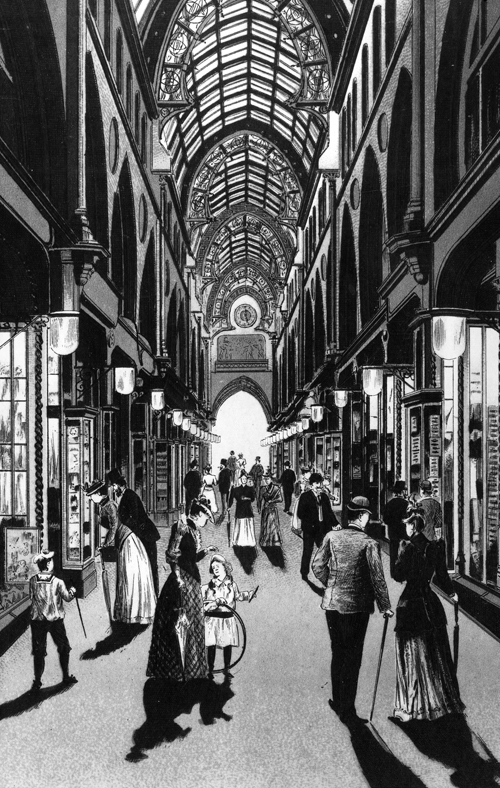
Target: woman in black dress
(426,682)
(178,641)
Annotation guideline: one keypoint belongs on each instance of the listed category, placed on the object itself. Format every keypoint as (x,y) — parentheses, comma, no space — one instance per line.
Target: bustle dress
(426,682)
(181,594)
(270,534)
(208,490)
(135,598)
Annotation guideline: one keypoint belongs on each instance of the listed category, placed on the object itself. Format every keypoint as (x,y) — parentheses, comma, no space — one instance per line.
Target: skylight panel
(235,30)
(236,86)
(267,53)
(207,83)
(237,116)
(263,103)
(213,128)
(235,70)
(208,100)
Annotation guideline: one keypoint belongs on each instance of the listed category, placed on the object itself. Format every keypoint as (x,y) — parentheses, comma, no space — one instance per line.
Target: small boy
(47,593)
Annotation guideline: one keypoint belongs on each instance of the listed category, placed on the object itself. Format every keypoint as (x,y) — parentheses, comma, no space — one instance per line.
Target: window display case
(78,510)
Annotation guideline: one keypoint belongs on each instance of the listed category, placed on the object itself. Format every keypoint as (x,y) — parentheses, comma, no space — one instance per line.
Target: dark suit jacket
(132,513)
(193,483)
(224,481)
(288,479)
(394,513)
(308,513)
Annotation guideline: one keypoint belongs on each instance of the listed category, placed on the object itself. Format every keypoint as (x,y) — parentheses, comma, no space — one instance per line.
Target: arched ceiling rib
(243,87)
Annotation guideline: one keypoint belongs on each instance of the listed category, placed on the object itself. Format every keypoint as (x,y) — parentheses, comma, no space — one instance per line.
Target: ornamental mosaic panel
(248,348)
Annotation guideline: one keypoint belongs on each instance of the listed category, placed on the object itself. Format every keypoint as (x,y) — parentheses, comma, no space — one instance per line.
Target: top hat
(425,485)
(96,487)
(359,504)
(399,486)
(114,476)
(44,555)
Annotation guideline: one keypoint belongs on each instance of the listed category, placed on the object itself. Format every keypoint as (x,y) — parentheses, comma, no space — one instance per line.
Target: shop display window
(482,435)
(79,535)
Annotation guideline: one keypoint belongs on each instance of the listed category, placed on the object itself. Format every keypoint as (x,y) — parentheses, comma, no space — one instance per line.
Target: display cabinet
(78,510)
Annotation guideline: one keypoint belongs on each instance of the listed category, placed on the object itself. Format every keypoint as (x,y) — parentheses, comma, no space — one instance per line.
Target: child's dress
(220,624)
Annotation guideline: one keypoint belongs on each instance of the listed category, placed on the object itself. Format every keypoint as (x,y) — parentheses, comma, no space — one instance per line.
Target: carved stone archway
(243,383)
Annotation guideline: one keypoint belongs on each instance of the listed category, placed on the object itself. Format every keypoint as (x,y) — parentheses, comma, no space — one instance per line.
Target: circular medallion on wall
(245,316)
(383,132)
(143,218)
(114,145)
(355,194)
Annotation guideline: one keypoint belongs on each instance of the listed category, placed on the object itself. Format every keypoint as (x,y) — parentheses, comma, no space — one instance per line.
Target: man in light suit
(348,563)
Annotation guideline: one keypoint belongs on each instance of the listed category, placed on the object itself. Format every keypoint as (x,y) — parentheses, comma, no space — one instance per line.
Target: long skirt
(135,599)
(243,532)
(426,683)
(172,655)
(209,493)
(270,534)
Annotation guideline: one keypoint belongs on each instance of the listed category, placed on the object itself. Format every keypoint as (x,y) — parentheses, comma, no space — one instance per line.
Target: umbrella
(181,628)
(105,589)
(456,636)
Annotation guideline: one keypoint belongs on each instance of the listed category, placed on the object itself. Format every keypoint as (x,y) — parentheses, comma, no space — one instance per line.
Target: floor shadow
(28,701)
(119,637)
(275,556)
(319,590)
(449,740)
(164,701)
(379,765)
(246,556)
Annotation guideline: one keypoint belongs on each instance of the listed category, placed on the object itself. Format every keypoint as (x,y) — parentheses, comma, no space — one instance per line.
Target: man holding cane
(348,563)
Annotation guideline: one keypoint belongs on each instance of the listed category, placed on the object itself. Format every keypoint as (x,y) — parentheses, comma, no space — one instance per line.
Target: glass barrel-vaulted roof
(245,238)
(242,61)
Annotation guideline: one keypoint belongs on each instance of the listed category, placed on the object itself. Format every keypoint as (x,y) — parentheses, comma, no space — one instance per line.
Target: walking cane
(456,636)
(384,633)
(80,614)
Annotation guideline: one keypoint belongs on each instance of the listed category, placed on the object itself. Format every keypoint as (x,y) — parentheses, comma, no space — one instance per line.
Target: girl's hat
(204,504)
(96,487)
(221,560)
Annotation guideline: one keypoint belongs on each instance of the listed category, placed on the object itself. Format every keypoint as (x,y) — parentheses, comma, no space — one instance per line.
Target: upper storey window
(481,87)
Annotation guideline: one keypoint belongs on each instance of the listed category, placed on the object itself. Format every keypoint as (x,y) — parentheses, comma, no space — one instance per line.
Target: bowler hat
(425,485)
(96,487)
(45,555)
(359,504)
(399,486)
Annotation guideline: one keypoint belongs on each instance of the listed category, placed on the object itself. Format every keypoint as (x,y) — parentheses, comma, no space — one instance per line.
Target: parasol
(105,589)
(181,629)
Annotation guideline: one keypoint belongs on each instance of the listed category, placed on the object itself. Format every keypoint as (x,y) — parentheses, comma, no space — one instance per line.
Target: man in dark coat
(132,513)
(287,481)
(256,473)
(317,518)
(192,484)
(224,482)
(349,564)
(431,510)
(394,513)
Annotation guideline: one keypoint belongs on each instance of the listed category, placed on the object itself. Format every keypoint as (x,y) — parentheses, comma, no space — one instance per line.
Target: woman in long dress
(178,641)
(271,496)
(208,489)
(426,682)
(135,598)
(243,529)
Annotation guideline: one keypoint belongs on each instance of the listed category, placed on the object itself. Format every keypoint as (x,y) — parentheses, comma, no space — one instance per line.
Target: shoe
(305,577)
(36,687)
(351,719)
(228,674)
(333,706)
(67,680)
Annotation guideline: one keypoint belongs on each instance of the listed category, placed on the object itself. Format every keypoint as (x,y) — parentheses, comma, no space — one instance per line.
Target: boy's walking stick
(80,614)
(384,633)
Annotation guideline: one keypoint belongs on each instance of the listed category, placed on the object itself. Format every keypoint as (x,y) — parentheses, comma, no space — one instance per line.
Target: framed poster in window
(21,545)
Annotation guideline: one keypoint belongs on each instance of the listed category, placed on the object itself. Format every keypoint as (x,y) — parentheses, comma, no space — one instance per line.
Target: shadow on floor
(121,635)
(319,590)
(450,741)
(379,765)
(246,556)
(28,701)
(164,701)
(275,556)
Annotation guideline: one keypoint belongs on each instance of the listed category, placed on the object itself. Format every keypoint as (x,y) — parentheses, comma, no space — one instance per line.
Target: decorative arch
(348,282)
(243,383)
(399,155)
(123,242)
(319,325)
(309,332)
(147,300)
(371,237)
(96,184)
(245,278)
